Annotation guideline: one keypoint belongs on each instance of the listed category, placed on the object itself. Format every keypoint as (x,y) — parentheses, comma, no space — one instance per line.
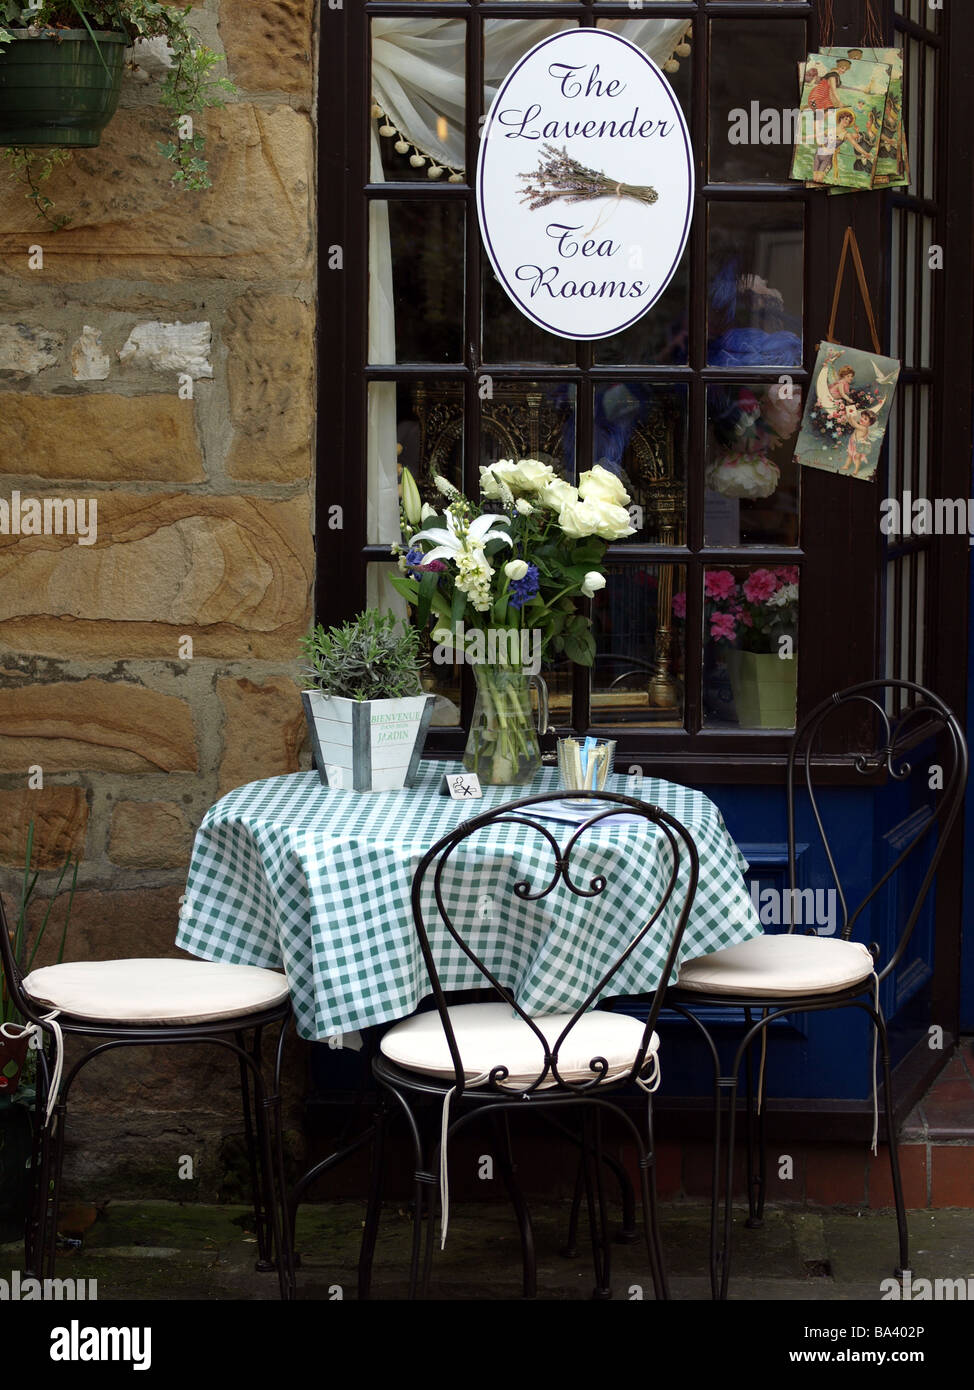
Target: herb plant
(370,658)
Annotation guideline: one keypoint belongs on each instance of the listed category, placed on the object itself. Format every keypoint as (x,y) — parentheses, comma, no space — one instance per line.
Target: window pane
(750,647)
(752,480)
(417,251)
(639,663)
(417,425)
(509,336)
(640,435)
(754,277)
(753,88)
(527,419)
(418,98)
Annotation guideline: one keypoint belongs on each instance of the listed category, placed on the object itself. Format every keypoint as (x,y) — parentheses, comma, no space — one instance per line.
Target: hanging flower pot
(58,87)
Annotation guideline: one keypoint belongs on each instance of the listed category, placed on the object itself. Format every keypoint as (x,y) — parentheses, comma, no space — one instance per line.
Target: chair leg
(894,1149)
(265,1260)
(651,1209)
(373,1211)
(756,1157)
(595,1198)
(570,1249)
(721,1240)
(508,1168)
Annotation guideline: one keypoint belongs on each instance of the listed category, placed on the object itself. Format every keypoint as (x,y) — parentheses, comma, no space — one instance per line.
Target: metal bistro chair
(157,1002)
(487,1059)
(777,975)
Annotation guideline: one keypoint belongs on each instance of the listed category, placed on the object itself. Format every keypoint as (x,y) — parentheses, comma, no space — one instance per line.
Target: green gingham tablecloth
(286,872)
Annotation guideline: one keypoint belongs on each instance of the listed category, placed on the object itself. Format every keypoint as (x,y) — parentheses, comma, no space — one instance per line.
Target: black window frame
(842,624)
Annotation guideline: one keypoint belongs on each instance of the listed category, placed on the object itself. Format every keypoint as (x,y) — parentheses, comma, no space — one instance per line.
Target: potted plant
(61,71)
(365,707)
(754,622)
(17,1092)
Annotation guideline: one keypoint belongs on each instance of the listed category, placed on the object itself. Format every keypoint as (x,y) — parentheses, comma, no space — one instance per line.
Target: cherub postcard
(847,411)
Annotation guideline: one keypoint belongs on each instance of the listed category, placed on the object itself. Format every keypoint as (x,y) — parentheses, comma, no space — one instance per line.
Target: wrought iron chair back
(884,757)
(437,858)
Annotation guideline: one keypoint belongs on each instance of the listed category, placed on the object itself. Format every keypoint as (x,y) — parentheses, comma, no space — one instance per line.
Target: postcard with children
(843,106)
(847,411)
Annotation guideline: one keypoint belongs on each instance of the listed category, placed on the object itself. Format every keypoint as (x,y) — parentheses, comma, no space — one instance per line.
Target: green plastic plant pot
(56,91)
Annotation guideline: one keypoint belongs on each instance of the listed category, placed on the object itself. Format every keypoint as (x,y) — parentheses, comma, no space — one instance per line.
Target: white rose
(599,484)
(592,582)
(489,485)
(556,494)
(516,569)
(427,512)
(526,476)
(595,518)
(523,506)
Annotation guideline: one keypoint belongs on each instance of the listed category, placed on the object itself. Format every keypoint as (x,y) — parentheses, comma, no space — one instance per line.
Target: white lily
(449,543)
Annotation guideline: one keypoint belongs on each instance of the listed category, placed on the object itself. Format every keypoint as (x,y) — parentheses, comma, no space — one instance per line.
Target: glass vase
(502,747)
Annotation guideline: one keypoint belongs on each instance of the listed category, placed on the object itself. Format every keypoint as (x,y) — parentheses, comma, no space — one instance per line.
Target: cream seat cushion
(779,966)
(491,1035)
(155,991)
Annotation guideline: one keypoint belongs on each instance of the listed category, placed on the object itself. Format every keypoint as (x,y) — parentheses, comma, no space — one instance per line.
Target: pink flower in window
(679,605)
(788,574)
(722,625)
(759,586)
(719,584)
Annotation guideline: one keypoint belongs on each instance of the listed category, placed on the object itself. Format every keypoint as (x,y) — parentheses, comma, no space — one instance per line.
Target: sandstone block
(170,347)
(60,816)
(101,437)
(263,729)
(26,350)
(112,726)
(150,835)
(268,46)
(270,340)
(185,561)
(255,223)
(88,361)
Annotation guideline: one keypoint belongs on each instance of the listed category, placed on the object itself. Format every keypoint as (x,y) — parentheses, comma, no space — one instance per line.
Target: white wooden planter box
(367,745)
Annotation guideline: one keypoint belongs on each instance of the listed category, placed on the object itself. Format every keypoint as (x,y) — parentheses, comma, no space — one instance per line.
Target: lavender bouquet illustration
(560,176)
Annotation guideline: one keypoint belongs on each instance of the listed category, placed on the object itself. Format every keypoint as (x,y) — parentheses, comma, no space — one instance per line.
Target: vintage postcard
(843,105)
(892,166)
(847,411)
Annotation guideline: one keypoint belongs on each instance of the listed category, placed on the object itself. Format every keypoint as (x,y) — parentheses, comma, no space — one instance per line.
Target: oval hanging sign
(585,183)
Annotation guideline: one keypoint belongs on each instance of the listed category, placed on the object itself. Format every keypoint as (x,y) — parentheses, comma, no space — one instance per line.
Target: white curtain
(419,83)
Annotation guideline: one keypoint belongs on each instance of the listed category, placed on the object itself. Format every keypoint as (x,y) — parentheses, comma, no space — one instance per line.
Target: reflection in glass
(528,419)
(752,480)
(509,336)
(640,435)
(753,75)
(639,663)
(416,425)
(425,242)
(750,646)
(755,266)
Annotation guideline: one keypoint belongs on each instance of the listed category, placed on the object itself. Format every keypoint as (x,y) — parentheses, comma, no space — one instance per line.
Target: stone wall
(147,668)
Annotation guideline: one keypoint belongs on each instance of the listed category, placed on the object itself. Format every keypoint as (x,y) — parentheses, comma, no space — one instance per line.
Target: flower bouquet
(746,430)
(499,581)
